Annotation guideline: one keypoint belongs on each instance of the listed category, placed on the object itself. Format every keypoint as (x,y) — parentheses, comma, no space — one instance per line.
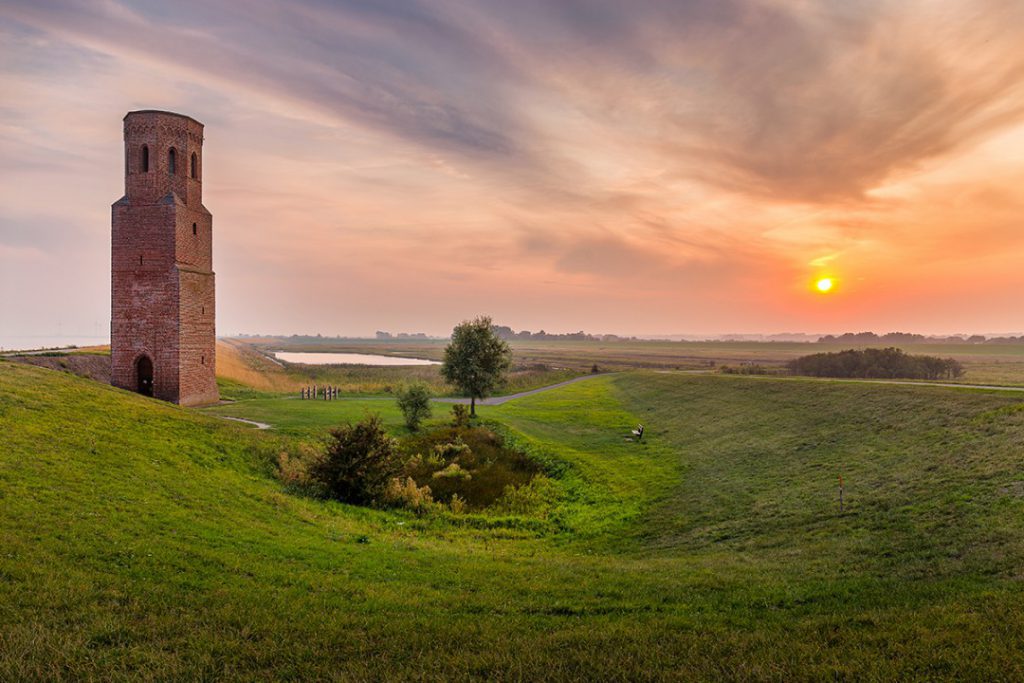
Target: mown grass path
(501,400)
(254,423)
(905,382)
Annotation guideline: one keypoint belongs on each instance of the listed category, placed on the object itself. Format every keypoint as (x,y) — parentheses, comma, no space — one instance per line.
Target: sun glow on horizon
(824,285)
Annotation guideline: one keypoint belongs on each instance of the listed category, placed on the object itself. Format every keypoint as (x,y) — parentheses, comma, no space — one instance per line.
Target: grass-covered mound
(140,540)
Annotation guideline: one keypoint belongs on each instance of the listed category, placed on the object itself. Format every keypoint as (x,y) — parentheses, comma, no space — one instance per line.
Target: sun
(824,285)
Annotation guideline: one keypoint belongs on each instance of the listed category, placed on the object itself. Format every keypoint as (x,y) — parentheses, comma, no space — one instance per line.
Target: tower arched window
(172,161)
(145,159)
(195,165)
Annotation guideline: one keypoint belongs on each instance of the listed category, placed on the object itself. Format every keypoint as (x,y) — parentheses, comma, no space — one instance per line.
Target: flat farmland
(999,364)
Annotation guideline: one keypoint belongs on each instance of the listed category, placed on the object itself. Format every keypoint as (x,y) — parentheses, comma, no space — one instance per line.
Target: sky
(642,167)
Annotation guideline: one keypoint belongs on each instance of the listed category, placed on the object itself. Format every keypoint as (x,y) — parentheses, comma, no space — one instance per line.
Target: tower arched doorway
(144,373)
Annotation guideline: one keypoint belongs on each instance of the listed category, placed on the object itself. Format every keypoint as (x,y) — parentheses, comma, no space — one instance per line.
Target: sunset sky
(632,167)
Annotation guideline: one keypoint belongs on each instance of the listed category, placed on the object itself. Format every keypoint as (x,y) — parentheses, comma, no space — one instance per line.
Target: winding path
(254,423)
(498,400)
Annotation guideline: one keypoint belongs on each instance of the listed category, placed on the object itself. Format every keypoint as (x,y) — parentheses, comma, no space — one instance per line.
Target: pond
(332,358)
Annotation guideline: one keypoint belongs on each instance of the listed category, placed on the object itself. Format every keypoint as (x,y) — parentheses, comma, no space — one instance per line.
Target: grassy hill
(142,540)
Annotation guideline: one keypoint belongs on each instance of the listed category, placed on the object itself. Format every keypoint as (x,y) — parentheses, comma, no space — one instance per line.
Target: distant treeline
(508,334)
(908,338)
(401,335)
(890,363)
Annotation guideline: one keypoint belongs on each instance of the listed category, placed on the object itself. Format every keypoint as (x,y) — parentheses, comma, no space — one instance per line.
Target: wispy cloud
(662,149)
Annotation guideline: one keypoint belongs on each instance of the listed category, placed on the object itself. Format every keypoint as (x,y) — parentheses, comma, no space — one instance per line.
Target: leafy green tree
(476,360)
(360,461)
(414,402)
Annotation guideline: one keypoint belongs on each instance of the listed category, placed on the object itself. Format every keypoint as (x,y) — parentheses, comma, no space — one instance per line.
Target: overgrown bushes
(745,369)
(457,467)
(460,416)
(890,363)
(359,463)
(471,463)
(407,494)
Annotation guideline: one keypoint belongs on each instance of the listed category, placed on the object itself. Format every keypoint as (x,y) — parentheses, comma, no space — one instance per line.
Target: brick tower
(162,331)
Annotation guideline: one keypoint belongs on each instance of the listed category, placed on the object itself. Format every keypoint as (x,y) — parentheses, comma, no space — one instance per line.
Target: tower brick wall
(162,280)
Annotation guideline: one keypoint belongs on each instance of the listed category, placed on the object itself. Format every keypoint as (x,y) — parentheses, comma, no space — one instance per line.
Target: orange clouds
(623,167)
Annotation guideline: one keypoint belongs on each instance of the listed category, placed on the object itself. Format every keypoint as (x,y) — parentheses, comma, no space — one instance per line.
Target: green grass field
(245,371)
(295,417)
(139,540)
(999,364)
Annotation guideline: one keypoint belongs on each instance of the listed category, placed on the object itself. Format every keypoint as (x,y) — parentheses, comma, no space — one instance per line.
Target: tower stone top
(164,112)
(163,155)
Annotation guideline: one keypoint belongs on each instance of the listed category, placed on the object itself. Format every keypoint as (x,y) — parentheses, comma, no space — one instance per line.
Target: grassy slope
(139,539)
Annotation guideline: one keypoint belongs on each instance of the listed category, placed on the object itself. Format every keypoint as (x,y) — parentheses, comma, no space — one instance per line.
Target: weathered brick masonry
(162,281)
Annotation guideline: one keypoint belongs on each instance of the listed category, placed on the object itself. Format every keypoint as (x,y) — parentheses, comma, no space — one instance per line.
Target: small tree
(476,359)
(414,402)
(460,416)
(360,461)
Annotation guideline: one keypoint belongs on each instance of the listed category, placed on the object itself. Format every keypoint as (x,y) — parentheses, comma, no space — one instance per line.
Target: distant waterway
(55,341)
(331,358)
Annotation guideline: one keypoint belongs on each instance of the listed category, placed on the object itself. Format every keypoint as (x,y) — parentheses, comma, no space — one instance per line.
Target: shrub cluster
(457,467)
(890,363)
(460,416)
(359,463)
(744,369)
(472,464)
(406,494)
